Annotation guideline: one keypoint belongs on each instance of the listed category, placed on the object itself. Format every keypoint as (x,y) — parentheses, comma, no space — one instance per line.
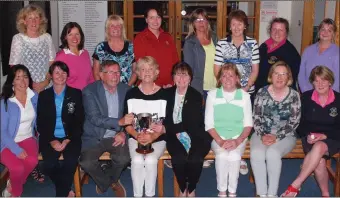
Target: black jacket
(192,117)
(72,115)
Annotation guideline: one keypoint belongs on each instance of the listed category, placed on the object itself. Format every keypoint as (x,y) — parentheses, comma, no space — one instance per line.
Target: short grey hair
(106,63)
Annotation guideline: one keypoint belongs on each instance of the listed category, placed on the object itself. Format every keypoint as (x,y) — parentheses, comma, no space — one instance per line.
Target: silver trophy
(142,124)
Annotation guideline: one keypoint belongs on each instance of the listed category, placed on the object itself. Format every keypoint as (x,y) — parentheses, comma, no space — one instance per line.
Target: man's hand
(22,155)
(268,139)
(126,120)
(119,139)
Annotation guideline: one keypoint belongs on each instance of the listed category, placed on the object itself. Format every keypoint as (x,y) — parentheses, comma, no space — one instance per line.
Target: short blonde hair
(149,60)
(108,22)
(283,64)
(228,67)
(25,11)
(323,72)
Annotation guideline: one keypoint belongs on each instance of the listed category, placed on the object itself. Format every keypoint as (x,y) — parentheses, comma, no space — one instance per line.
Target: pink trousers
(19,169)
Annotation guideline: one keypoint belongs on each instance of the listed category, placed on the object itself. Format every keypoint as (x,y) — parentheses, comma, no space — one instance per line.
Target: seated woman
(19,148)
(146,98)
(228,119)
(276,117)
(187,142)
(59,122)
(319,129)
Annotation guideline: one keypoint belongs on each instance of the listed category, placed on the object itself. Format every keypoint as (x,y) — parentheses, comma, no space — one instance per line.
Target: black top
(72,115)
(192,117)
(318,119)
(137,102)
(287,53)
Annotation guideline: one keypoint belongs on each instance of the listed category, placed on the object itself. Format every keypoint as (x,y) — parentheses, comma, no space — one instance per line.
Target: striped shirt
(244,56)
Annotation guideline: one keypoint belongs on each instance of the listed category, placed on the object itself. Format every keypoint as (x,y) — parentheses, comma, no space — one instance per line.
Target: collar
(29,92)
(106,90)
(238,94)
(270,41)
(149,33)
(62,94)
(330,99)
(229,39)
(68,51)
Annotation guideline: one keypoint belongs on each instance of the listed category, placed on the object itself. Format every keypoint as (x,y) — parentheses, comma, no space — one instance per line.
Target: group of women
(221,77)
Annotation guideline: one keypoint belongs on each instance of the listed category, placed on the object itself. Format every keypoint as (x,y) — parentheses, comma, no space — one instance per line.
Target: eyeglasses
(200,20)
(283,74)
(111,73)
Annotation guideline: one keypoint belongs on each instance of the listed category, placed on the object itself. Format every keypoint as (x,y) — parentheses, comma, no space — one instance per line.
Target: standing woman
(59,122)
(32,46)
(146,98)
(154,42)
(277,112)
(74,55)
(324,52)
(228,119)
(277,48)
(19,147)
(116,47)
(187,142)
(199,51)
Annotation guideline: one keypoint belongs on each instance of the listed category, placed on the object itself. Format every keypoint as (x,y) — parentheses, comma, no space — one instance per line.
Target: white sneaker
(244,170)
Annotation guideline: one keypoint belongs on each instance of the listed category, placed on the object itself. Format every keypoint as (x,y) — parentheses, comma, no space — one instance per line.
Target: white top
(27,116)
(228,97)
(34,53)
(177,113)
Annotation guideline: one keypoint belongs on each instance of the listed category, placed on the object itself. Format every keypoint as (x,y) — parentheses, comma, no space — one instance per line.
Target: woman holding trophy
(146,143)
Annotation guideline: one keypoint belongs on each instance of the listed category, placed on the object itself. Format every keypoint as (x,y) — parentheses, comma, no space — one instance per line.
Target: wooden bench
(296,153)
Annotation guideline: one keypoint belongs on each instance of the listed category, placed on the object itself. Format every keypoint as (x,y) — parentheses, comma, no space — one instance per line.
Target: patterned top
(125,58)
(244,56)
(278,118)
(34,53)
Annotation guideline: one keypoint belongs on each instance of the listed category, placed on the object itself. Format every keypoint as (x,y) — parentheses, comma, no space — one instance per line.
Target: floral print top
(277,118)
(125,58)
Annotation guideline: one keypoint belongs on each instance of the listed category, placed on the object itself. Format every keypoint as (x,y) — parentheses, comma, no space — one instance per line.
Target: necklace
(32,43)
(152,91)
(277,97)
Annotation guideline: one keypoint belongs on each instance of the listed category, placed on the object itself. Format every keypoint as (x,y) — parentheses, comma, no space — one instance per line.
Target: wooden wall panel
(308,21)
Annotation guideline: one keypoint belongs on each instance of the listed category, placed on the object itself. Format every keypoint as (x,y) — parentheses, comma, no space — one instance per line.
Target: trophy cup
(142,124)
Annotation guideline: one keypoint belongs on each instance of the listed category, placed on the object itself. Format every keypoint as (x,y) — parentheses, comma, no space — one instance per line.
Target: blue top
(10,121)
(59,131)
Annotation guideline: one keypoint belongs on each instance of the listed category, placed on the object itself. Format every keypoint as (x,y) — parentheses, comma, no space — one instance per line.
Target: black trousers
(61,172)
(188,166)
(120,158)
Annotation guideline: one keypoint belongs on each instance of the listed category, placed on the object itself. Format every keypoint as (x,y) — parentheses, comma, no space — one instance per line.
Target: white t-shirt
(27,116)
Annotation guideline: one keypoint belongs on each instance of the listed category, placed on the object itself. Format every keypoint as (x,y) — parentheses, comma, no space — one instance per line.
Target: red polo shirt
(162,49)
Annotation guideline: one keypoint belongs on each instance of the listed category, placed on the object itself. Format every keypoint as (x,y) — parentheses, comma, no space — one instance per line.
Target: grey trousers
(120,158)
(266,161)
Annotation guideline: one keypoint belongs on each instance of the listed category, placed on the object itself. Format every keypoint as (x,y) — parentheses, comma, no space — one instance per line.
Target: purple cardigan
(312,58)
(10,121)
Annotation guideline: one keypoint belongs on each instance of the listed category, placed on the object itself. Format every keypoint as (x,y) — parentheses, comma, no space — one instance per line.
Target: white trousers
(144,168)
(227,164)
